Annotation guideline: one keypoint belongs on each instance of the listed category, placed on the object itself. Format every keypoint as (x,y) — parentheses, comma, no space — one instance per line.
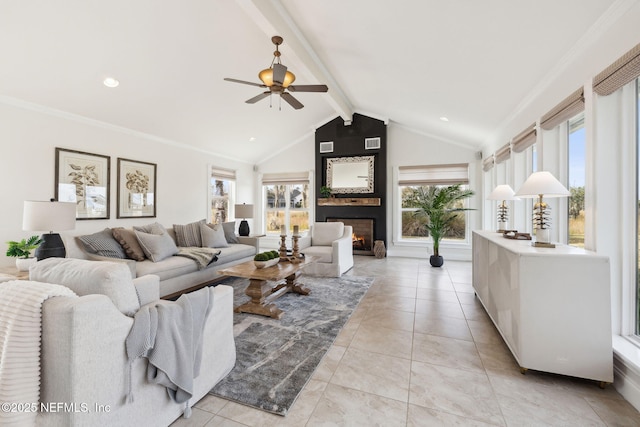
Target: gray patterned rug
(276,358)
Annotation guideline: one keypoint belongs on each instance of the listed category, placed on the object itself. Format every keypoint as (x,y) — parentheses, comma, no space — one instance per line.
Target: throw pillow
(213,236)
(154,228)
(189,235)
(129,242)
(102,243)
(156,246)
(229,231)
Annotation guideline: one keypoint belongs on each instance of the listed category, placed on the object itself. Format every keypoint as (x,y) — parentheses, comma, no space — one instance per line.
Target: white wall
(28,138)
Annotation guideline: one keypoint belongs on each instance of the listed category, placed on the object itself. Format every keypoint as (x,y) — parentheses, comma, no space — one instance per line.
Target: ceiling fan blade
(244,82)
(308,88)
(258,98)
(291,100)
(279,72)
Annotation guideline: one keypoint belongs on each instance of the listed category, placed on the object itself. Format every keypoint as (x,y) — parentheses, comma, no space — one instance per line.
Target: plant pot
(265,264)
(23,264)
(436,260)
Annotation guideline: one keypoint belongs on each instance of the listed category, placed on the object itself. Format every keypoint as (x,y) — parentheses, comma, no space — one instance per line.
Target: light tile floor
(421,351)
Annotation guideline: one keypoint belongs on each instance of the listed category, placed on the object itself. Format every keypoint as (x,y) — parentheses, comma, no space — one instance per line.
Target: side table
(13,271)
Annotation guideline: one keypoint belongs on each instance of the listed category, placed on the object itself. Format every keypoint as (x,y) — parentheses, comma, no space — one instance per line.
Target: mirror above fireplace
(348,175)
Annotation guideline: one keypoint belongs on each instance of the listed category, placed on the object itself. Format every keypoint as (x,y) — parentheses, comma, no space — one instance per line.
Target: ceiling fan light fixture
(266,76)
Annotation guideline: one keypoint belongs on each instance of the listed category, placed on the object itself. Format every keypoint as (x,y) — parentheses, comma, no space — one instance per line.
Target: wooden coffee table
(265,285)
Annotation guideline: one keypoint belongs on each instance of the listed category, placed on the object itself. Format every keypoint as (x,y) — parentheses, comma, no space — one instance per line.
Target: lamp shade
(244,211)
(503,192)
(48,216)
(542,183)
(266,76)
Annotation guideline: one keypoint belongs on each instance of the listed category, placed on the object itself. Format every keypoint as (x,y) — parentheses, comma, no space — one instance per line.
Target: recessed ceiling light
(110,82)
(444,119)
(252,139)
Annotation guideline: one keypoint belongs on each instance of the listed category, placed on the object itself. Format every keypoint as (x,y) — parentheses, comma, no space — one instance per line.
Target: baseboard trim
(626,370)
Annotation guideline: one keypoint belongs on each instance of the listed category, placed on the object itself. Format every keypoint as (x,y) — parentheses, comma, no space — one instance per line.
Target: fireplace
(362,234)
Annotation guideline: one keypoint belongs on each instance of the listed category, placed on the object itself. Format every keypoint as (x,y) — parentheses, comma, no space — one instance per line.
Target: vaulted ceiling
(407,61)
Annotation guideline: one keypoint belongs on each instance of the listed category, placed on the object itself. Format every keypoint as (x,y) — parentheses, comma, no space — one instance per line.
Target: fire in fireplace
(362,236)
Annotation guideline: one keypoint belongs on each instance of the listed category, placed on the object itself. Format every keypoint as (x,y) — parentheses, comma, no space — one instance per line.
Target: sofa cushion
(234,253)
(230,232)
(129,242)
(156,246)
(213,236)
(189,234)
(102,243)
(167,268)
(324,233)
(83,277)
(324,253)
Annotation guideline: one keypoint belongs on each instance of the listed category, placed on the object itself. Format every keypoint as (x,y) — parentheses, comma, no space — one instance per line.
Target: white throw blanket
(169,335)
(20,341)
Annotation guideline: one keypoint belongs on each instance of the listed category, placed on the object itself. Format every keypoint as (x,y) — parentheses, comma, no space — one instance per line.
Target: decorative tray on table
(514,235)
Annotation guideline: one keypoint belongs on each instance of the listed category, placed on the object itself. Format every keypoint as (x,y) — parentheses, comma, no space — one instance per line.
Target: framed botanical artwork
(83,178)
(136,189)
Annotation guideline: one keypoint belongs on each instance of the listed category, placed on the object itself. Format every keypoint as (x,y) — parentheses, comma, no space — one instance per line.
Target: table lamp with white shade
(541,184)
(503,192)
(49,216)
(244,211)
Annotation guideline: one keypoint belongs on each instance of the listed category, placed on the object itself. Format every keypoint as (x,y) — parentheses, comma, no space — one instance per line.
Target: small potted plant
(22,251)
(325,191)
(266,259)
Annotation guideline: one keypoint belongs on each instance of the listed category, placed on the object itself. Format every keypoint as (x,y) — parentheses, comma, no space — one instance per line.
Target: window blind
(488,163)
(569,107)
(524,139)
(285,178)
(434,174)
(503,153)
(223,173)
(618,74)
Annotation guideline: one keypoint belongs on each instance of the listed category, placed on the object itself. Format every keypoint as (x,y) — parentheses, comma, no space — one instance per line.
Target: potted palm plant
(439,206)
(22,251)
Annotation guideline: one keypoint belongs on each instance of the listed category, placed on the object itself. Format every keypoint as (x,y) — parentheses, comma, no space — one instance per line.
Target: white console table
(552,306)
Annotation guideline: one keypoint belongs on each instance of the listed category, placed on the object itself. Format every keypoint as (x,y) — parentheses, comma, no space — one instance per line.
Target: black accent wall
(349,141)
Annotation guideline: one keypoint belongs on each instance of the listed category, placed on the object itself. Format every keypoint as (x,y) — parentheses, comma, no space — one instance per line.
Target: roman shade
(524,139)
(224,174)
(434,174)
(569,107)
(285,178)
(503,153)
(618,74)
(488,163)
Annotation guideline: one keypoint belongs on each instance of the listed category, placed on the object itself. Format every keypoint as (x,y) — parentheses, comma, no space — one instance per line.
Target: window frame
(574,124)
(287,208)
(427,241)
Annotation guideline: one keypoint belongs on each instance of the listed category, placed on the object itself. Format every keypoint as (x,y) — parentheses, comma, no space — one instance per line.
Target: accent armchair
(332,243)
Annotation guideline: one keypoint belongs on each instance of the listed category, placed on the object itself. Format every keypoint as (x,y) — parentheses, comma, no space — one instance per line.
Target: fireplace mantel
(349,201)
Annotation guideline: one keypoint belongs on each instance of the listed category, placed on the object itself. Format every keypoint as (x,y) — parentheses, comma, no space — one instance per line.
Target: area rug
(276,358)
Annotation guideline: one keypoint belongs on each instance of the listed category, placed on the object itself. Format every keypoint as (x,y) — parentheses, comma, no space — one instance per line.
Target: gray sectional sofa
(177,274)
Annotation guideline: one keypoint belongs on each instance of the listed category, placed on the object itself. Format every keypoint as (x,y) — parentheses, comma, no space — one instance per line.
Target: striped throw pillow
(189,234)
(102,243)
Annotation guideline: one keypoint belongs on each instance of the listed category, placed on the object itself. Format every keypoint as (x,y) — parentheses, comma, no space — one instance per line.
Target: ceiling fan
(278,80)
